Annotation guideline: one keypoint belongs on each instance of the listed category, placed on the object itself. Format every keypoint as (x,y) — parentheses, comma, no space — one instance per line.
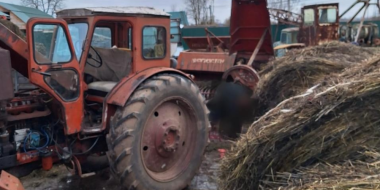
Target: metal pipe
(356,14)
(361,23)
(258,47)
(352,6)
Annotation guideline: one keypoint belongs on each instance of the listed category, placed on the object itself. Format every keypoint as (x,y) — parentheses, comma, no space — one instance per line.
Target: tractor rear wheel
(158,138)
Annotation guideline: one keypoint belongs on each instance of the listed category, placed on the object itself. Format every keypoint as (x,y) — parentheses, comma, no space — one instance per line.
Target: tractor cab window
(285,38)
(110,54)
(309,16)
(50,44)
(78,32)
(327,15)
(154,42)
(102,37)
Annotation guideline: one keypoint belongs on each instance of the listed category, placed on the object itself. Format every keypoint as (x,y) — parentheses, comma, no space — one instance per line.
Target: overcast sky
(222,7)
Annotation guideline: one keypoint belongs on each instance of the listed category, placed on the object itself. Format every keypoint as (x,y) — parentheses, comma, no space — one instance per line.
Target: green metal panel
(200,31)
(276,31)
(223,31)
(175,30)
(180,15)
(24,13)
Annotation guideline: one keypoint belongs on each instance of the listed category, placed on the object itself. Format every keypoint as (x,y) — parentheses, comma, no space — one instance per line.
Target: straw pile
(14,28)
(326,138)
(300,69)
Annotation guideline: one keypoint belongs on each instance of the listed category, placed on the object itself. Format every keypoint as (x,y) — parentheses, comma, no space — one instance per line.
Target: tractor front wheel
(158,138)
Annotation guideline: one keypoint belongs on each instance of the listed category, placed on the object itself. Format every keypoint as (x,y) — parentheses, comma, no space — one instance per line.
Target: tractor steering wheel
(95,57)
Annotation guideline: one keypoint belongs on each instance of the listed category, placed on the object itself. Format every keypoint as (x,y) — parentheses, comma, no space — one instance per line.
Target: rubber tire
(127,125)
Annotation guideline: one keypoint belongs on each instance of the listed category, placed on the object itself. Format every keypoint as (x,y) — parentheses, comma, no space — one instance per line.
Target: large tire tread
(124,124)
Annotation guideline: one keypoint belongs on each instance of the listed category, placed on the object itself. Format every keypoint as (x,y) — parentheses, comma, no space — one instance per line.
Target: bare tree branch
(47,6)
(198,10)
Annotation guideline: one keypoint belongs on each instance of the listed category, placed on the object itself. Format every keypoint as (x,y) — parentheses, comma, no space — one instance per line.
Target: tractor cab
(104,96)
(288,38)
(85,53)
(320,24)
(117,40)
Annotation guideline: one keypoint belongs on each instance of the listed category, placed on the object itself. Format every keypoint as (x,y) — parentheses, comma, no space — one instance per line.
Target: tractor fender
(124,89)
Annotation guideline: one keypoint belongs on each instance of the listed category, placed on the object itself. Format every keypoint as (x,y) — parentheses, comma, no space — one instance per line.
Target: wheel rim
(169,139)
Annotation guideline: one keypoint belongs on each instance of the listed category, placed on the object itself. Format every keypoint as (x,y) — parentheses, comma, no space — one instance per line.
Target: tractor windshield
(78,32)
(327,15)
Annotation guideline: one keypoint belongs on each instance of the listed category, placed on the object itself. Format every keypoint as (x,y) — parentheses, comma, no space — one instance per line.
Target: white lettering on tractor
(200,60)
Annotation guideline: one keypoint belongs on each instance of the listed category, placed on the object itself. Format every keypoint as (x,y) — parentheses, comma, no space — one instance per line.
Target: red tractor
(104,95)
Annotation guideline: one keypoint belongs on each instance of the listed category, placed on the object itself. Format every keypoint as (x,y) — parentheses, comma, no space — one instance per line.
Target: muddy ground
(60,178)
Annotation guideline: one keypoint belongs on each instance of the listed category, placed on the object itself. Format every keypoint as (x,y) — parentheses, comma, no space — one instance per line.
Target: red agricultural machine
(225,67)
(107,94)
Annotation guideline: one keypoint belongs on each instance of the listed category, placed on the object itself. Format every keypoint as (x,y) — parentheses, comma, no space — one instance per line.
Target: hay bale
(301,69)
(349,175)
(334,124)
(13,27)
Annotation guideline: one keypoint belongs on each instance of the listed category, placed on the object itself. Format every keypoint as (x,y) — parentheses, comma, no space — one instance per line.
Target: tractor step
(10,182)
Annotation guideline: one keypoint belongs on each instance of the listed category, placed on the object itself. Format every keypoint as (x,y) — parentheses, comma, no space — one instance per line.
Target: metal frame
(366,4)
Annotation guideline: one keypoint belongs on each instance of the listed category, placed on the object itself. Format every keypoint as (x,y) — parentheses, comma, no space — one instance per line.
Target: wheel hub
(168,140)
(171,138)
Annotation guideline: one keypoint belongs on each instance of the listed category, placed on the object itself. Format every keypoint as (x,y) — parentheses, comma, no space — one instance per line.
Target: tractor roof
(112,11)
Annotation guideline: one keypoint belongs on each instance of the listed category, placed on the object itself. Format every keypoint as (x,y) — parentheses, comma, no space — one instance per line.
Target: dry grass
(14,28)
(301,69)
(314,140)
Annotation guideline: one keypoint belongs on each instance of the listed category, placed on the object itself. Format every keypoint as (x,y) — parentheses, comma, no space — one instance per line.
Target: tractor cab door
(328,23)
(53,67)
(308,28)
(320,24)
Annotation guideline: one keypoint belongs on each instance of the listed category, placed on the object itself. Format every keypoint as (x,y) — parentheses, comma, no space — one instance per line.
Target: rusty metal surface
(246,32)
(34,114)
(120,94)
(285,17)
(9,182)
(168,139)
(317,33)
(124,89)
(258,47)
(243,74)
(205,61)
(202,42)
(6,84)
(34,155)
(91,11)
(18,49)
(72,110)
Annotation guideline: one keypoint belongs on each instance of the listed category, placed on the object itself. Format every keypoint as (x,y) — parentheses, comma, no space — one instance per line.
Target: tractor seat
(100,88)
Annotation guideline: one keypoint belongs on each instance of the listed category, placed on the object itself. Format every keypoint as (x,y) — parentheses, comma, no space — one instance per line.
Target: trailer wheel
(158,138)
